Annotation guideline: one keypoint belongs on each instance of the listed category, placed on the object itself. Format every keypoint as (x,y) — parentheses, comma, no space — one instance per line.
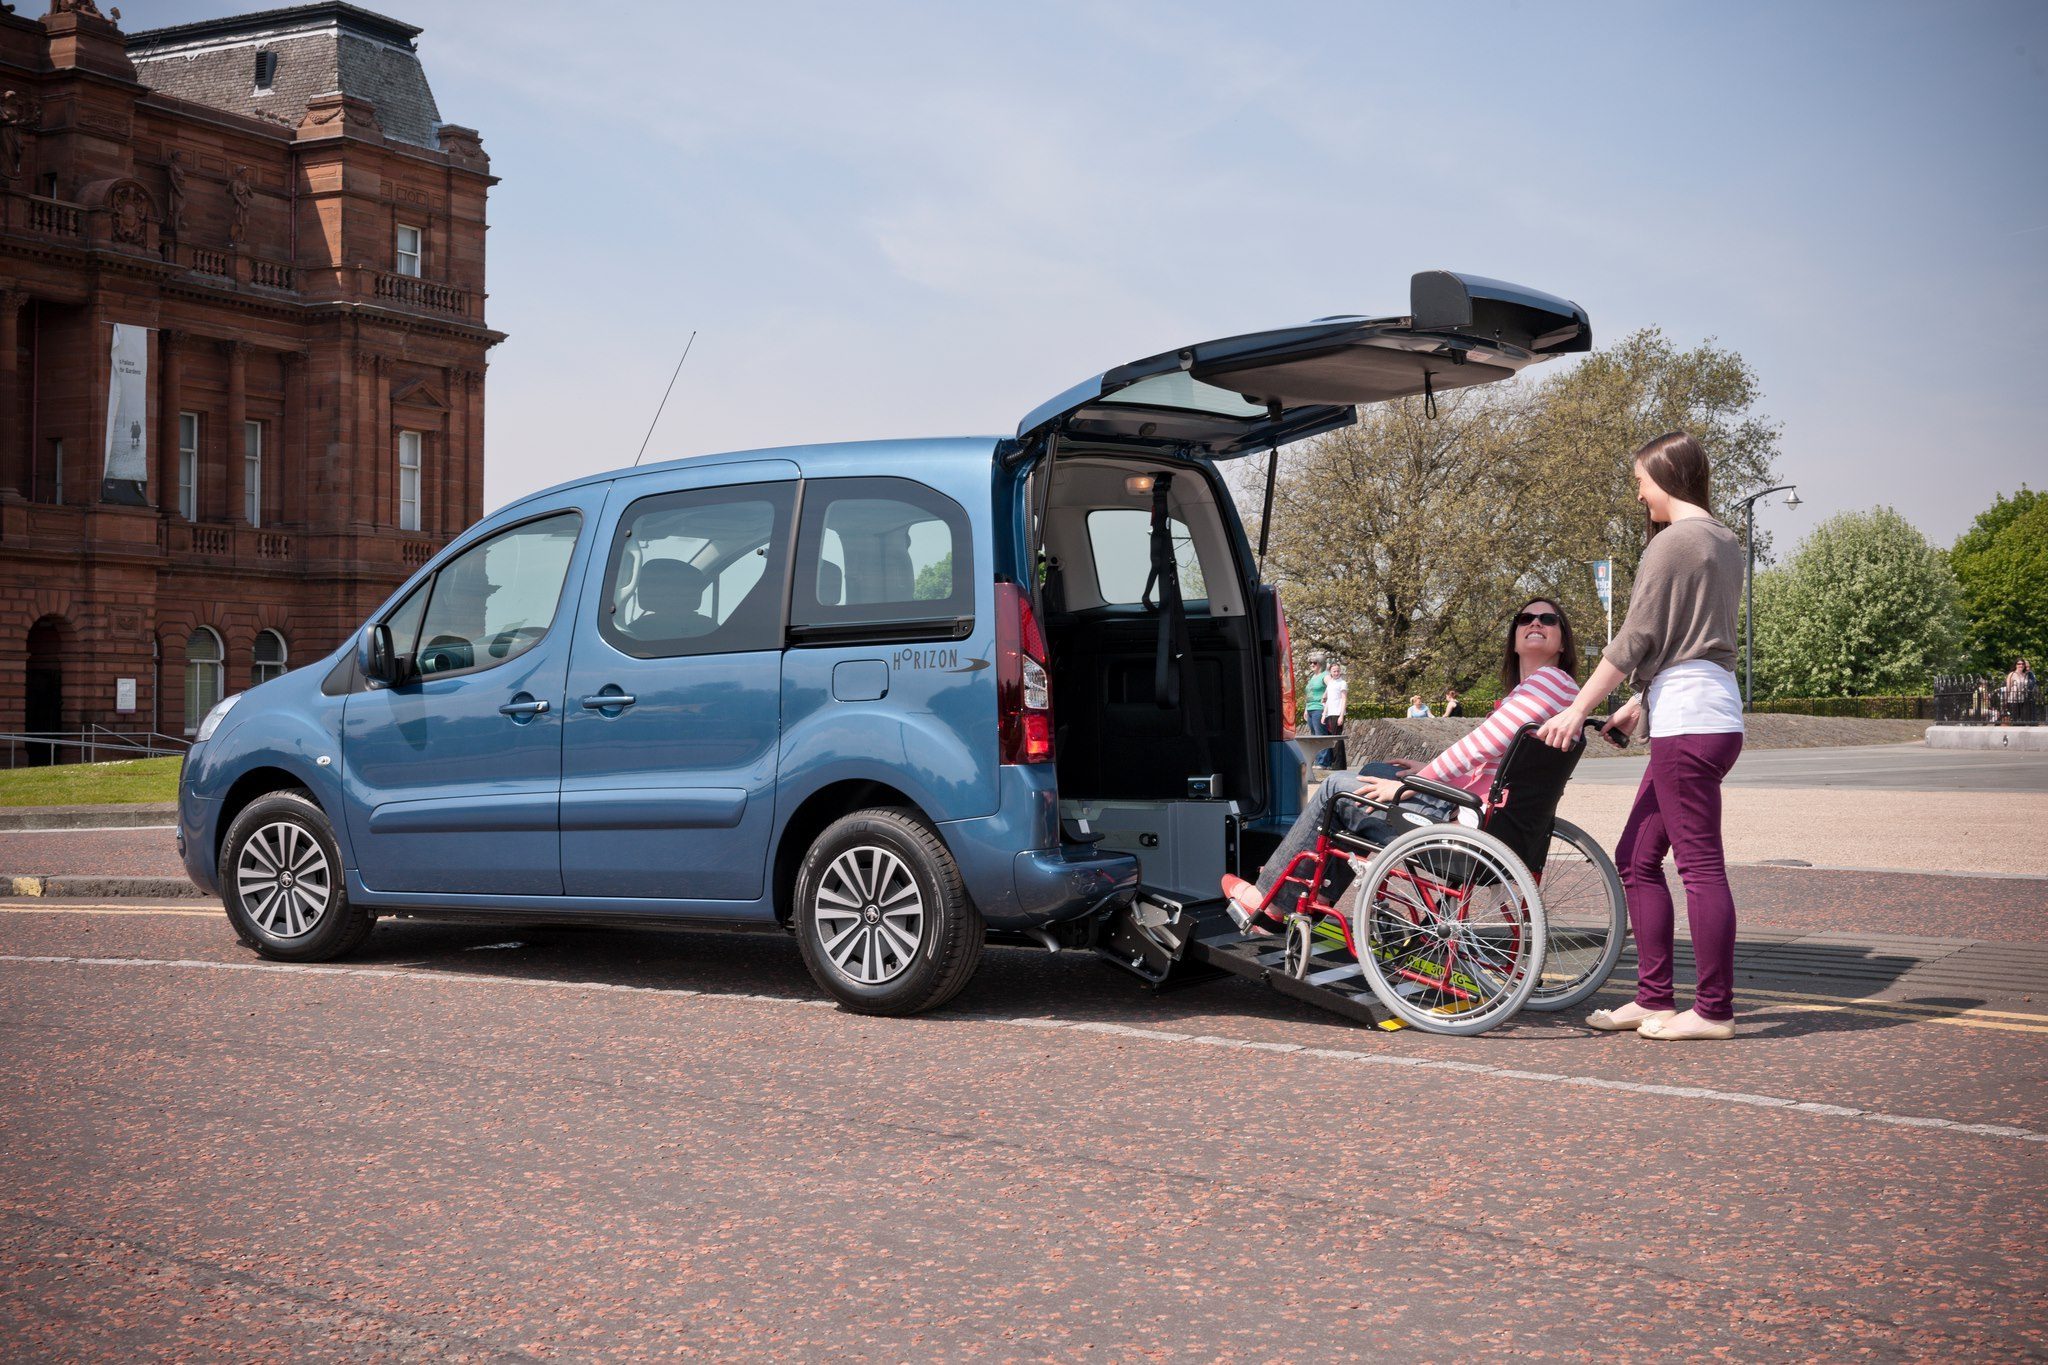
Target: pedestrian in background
(2019,693)
(1336,692)
(1416,709)
(1452,706)
(1678,644)
(1312,700)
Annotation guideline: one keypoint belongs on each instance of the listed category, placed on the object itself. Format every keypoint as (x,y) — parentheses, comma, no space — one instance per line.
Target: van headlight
(215,717)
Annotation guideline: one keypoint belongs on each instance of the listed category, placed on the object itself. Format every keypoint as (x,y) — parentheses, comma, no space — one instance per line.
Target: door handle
(608,701)
(518,709)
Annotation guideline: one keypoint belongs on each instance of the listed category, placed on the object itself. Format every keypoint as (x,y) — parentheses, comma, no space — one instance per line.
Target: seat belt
(1173,671)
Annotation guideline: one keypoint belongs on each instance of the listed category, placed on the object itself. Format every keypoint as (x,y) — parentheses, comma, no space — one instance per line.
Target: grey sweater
(1684,601)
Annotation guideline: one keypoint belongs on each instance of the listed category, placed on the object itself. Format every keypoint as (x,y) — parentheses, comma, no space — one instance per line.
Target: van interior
(1162,755)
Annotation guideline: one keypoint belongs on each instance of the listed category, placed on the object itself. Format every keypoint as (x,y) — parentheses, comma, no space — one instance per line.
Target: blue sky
(924,218)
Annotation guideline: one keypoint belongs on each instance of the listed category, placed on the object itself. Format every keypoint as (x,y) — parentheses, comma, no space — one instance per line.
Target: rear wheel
(1449,929)
(882,918)
(1585,919)
(281,880)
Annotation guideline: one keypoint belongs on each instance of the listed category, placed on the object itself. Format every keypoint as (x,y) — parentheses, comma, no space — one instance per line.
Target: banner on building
(128,409)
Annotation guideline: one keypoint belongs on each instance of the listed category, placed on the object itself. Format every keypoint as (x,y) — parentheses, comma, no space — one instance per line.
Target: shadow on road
(1785,988)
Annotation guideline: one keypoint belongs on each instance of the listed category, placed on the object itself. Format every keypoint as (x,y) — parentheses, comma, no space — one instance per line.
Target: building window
(266,72)
(57,469)
(188,465)
(408,481)
(269,656)
(202,676)
(409,240)
(252,473)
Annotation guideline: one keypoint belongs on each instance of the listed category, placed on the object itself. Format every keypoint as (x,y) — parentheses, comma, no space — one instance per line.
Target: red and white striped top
(1473,760)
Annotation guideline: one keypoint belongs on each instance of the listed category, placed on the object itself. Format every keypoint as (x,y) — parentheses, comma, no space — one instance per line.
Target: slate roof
(320,49)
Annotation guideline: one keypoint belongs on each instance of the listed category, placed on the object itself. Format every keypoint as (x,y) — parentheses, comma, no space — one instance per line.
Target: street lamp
(1748,574)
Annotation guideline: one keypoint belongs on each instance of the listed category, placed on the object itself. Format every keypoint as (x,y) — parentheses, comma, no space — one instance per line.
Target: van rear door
(1236,395)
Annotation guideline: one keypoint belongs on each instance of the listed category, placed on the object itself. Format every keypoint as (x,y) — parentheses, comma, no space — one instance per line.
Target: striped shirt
(1473,760)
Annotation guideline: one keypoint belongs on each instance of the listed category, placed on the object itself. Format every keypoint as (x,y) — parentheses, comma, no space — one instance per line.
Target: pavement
(1900,807)
(495,1143)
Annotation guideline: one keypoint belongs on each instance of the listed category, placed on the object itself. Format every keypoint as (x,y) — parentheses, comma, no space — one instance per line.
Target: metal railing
(95,744)
(1979,699)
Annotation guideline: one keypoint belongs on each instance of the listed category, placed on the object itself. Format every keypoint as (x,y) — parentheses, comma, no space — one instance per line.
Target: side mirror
(377,659)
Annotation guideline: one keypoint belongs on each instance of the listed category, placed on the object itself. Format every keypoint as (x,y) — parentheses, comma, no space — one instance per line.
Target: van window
(699,572)
(884,558)
(495,601)
(1121,541)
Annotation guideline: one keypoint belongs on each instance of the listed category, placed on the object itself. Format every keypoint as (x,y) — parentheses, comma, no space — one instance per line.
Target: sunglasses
(1536,618)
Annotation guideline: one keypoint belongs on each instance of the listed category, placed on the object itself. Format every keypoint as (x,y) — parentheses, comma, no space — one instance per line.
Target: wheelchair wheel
(1449,928)
(1585,919)
(1301,946)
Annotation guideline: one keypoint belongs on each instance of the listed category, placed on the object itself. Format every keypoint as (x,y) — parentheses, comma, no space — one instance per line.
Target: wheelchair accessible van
(1452,926)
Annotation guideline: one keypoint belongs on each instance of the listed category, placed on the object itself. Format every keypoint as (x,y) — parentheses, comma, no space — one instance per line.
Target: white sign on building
(128,406)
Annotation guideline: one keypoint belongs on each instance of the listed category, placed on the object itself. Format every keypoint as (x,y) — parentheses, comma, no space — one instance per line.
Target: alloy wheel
(284,880)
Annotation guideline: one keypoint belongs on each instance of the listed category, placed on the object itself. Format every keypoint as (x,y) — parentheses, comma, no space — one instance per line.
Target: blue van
(868,692)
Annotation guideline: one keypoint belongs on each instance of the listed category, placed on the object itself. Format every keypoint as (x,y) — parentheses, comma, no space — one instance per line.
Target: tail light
(1023,686)
(1285,649)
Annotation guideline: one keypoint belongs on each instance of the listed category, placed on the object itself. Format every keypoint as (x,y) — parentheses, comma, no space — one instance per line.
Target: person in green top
(1318,681)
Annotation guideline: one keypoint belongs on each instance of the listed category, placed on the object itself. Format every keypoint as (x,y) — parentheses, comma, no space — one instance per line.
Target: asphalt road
(495,1144)
(1895,767)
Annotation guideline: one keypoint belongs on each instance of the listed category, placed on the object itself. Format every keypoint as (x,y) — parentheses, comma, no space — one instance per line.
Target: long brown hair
(1676,464)
(1568,648)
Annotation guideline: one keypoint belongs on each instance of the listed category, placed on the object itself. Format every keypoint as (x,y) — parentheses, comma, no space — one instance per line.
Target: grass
(90,784)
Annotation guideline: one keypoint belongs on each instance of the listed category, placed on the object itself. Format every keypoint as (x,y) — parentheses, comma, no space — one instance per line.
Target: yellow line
(1910,1006)
(18,909)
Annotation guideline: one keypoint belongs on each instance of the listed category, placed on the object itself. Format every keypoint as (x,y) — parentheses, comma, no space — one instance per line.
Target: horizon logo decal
(944,660)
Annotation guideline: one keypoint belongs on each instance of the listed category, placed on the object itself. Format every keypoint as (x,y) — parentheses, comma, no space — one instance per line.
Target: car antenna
(664,400)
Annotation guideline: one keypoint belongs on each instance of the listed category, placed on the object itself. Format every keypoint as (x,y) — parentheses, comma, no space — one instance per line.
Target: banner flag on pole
(128,407)
(1603,581)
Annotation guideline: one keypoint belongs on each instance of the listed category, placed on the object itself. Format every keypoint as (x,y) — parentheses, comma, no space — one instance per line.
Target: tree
(2001,563)
(1864,606)
(1403,542)
(1392,541)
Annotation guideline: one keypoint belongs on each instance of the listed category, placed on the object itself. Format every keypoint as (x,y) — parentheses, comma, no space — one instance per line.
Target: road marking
(12,908)
(1961,1014)
(89,829)
(1161,1037)
(1874,1007)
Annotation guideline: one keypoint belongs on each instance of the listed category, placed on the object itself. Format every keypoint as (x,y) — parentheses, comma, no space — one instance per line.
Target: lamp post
(1749,574)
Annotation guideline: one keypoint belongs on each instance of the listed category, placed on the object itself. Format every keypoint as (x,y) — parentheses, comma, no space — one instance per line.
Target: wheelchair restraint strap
(1173,670)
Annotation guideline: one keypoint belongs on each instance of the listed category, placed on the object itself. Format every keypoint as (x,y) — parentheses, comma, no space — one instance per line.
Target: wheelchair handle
(1619,739)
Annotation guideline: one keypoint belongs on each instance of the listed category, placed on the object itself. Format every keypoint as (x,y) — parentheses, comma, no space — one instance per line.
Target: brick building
(251,249)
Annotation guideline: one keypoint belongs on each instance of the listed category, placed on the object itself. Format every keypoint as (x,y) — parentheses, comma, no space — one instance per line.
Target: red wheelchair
(1458,924)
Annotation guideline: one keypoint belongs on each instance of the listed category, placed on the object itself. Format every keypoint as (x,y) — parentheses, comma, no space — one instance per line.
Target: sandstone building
(242,345)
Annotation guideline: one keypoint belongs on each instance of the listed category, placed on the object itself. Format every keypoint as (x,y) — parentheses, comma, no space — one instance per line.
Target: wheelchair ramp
(1169,942)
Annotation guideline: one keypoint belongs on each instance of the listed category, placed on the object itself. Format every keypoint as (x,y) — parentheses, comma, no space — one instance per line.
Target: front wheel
(282,883)
(882,918)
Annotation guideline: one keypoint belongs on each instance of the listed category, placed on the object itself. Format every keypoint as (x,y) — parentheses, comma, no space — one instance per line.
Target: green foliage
(934,581)
(1866,606)
(2001,563)
(91,784)
(1402,543)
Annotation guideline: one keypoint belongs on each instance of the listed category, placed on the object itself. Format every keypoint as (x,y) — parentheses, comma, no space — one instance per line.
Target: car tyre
(281,880)
(882,917)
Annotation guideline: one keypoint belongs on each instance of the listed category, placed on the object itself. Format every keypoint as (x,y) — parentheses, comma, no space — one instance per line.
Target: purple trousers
(1678,810)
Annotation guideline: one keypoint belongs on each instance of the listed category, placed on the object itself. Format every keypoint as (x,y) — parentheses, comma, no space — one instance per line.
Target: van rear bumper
(1016,869)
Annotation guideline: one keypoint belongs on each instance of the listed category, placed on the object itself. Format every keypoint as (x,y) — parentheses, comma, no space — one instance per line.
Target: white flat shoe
(1685,1028)
(1611,1021)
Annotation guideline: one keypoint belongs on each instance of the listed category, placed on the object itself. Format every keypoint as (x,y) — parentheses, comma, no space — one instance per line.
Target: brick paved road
(495,1152)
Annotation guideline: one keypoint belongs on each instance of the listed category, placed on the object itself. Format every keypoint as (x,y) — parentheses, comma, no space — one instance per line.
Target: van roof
(822,458)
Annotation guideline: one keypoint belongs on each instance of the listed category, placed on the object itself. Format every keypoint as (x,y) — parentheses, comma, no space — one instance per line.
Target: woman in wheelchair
(1539,678)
